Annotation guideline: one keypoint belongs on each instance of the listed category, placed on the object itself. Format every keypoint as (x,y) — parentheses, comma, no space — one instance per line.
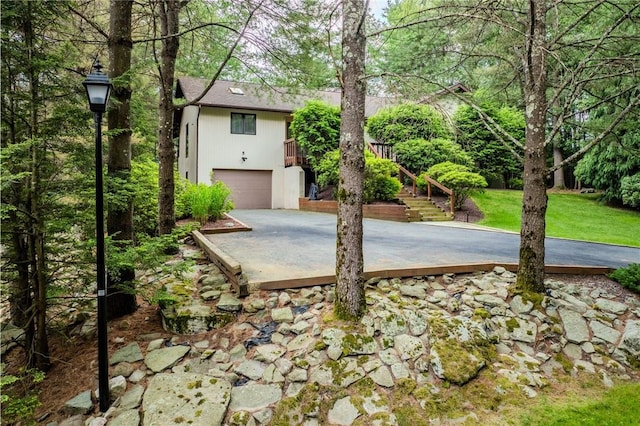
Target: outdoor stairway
(421,209)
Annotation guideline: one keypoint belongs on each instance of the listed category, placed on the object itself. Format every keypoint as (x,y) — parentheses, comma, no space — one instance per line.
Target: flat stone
(490,300)
(130,353)
(630,341)
(575,326)
(272,375)
(132,398)
(269,352)
(358,344)
(519,306)
(382,377)
(303,341)
(393,325)
(333,336)
(282,314)
(79,404)
(161,359)
(186,398)
(137,376)
(251,369)
(343,412)
(229,303)
(604,332)
(413,291)
(210,295)
(129,417)
(117,386)
(122,369)
(253,397)
(611,306)
(417,323)
(409,347)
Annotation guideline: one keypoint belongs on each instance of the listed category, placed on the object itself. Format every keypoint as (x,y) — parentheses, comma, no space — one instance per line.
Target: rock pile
(286,360)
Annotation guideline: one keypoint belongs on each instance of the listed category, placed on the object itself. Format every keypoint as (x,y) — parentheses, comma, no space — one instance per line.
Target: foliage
(417,155)
(208,202)
(491,151)
(380,181)
(630,190)
(628,277)
(607,164)
(316,129)
(328,169)
(436,171)
(19,396)
(392,125)
(458,178)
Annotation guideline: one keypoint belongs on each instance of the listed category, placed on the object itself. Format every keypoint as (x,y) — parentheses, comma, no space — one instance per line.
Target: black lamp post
(98,88)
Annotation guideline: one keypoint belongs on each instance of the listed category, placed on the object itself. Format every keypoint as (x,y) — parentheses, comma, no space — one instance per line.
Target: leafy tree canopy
(493,154)
(316,128)
(400,123)
(417,155)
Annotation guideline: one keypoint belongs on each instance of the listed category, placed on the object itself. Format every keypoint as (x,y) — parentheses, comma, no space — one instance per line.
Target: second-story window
(243,124)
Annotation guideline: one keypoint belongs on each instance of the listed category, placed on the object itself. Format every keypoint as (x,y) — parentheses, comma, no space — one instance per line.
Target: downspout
(197,144)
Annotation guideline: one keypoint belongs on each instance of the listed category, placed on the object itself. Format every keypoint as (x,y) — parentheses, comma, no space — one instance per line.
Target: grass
(617,406)
(569,215)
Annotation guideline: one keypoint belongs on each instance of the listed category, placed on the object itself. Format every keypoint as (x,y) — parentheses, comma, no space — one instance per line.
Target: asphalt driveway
(293,244)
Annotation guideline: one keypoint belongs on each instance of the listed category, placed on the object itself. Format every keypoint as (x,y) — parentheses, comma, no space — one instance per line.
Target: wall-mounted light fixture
(244,157)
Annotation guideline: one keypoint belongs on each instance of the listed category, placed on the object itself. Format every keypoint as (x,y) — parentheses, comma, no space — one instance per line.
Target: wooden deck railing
(373,147)
(293,155)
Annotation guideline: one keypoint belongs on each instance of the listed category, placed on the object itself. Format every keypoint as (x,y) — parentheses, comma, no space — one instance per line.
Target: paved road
(289,244)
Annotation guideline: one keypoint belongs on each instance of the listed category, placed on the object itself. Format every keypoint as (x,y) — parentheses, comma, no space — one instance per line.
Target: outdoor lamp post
(98,87)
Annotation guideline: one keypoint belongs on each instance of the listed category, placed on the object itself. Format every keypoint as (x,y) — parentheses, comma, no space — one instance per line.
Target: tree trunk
(558,175)
(169,12)
(121,300)
(350,301)
(534,202)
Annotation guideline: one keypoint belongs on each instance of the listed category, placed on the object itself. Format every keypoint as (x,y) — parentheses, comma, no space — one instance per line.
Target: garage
(250,189)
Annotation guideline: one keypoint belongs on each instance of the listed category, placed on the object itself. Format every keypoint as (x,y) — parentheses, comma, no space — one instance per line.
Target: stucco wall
(187,166)
(218,148)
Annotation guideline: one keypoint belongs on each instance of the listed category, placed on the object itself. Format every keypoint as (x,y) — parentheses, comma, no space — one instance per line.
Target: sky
(376,7)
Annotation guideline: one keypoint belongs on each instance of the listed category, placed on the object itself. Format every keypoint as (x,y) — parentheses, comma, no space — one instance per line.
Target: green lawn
(574,216)
(618,406)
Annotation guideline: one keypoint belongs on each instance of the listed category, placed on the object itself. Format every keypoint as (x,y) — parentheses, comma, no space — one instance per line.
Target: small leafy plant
(208,202)
(18,395)
(628,277)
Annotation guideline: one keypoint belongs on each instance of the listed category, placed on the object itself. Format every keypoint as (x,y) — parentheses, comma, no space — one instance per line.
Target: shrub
(628,277)
(630,190)
(408,121)
(515,183)
(456,177)
(328,169)
(380,183)
(208,202)
(418,155)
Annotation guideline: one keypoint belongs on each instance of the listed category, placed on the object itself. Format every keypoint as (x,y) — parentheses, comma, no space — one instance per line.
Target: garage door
(250,189)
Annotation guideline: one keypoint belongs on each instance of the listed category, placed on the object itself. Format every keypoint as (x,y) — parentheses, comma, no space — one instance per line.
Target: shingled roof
(229,94)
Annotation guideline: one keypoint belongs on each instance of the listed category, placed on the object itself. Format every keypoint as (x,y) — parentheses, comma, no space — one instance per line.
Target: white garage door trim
(250,189)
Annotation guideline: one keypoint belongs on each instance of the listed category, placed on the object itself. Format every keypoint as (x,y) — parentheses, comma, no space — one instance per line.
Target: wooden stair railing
(414,179)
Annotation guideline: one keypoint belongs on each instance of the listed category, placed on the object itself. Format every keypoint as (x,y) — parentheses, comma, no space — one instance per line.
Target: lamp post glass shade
(98,87)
